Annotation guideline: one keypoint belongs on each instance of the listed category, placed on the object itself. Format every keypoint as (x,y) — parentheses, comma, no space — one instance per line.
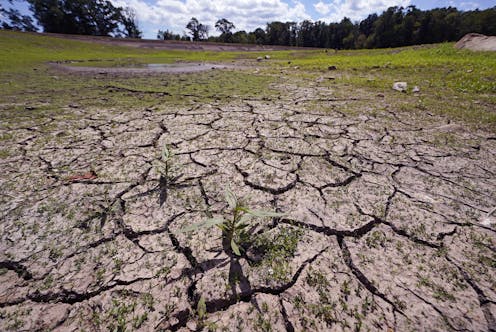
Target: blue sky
(250,14)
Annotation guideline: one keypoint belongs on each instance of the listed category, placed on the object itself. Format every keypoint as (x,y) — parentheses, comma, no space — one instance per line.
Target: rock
(259,58)
(416,89)
(296,67)
(91,175)
(191,325)
(267,57)
(332,68)
(490,218)
(322,78)
(107,144)
(400,86)
(477,42)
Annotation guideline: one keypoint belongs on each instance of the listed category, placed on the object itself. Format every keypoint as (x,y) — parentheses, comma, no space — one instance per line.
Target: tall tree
(260,36)
(130,22)
(279,33)
(87,17)
(197,30)
(12,19)
(367,25)
(224,27)
(306,34)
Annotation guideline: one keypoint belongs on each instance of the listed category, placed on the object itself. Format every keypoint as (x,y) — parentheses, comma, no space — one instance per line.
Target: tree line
(80,17)
(394,27)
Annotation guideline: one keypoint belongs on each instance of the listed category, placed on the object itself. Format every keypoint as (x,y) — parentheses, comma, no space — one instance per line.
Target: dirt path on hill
(174,44)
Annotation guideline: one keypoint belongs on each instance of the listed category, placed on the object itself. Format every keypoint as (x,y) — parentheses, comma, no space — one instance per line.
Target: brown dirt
(477,42)
(173,44)
(393,212)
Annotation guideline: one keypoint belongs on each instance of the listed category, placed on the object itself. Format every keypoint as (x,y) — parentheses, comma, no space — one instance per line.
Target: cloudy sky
(250,14)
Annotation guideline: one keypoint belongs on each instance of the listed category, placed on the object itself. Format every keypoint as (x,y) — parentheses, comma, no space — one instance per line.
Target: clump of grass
(277,250)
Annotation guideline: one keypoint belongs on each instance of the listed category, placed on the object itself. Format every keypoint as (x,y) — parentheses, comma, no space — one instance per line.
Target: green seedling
(166,166)
(201,309)
(234,228)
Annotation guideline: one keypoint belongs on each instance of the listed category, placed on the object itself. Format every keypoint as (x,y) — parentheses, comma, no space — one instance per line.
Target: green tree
(130,23)
(197,30)
(306,34)
(260,36)
(279,33)
(240,37)
(167,35)
(12,19)
(224,27)
(87,17)
(367,25)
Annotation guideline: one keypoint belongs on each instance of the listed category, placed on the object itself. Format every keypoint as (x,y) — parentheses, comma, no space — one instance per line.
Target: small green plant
(166,166)
(234,228)
(201,309)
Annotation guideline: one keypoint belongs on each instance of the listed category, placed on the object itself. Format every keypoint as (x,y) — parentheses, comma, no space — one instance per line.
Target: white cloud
(356,9)
(322,8)
(245,14)
(469,5)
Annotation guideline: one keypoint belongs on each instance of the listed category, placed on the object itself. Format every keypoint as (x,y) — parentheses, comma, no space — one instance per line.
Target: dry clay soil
(392,212)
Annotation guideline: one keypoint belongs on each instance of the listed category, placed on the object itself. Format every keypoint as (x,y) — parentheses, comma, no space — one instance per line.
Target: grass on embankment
(21,51)
(459,84)
(440,64)
(27,79)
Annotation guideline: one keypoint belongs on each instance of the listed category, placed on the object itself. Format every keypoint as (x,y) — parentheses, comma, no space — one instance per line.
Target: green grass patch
(459,84)
(23,51)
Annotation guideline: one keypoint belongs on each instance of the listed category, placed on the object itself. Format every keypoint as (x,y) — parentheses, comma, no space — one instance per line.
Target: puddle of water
(169,65)
(115,66)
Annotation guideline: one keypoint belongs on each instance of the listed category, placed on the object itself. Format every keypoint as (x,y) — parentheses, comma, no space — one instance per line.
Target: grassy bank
(459,84)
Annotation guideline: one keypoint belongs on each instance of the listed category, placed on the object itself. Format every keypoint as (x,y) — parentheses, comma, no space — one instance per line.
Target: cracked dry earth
(388,219)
